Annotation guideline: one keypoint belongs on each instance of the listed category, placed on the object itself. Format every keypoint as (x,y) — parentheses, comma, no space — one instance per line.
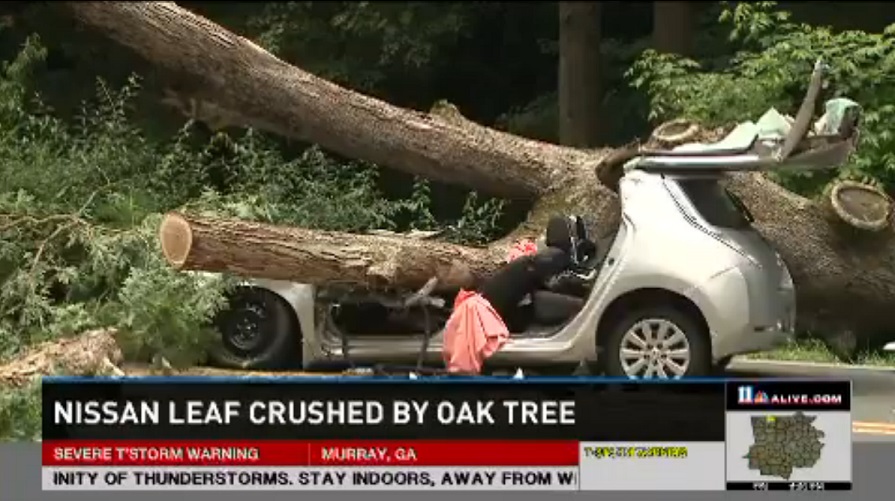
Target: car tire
(258,332)
(696,342)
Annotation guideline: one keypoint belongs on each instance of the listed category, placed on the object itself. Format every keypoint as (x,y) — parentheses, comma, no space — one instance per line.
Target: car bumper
(753,341)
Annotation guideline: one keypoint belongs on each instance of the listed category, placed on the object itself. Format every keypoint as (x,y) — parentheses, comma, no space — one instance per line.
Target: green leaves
(360,43)
(20,413)
(753,21)
(80,206)
(163,312)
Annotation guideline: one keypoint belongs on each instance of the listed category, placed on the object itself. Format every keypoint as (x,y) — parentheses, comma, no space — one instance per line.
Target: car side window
(741,206)
(715,204)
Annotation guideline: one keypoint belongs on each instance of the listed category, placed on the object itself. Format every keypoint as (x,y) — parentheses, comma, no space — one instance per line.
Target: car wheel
(657,342)
(258,332)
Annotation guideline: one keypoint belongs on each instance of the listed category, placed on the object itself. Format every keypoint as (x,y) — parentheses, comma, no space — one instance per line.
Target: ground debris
(94,352)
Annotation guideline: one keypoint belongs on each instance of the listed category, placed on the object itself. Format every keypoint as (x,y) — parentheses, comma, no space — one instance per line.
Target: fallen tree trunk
(850,285)
(96,353)
(318,257)
(234,73)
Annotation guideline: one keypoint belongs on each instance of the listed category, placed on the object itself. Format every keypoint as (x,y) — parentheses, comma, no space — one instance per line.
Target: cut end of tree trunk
(860,205)
(176,238)
(676,132)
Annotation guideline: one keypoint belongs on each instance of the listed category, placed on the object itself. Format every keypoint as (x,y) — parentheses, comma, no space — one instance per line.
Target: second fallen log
(859,205)
(257,250)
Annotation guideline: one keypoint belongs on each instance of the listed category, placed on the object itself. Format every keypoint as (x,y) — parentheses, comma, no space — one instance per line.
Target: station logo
(748,395)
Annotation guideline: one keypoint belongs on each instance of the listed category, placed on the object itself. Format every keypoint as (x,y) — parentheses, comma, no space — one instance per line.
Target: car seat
(510,285)
(556,296)
(562,296)
(570,235)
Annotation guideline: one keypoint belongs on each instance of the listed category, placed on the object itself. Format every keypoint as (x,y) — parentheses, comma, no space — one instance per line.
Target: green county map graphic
(783,443)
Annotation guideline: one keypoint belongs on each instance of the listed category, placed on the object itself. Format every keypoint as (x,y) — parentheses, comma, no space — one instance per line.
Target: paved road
(873,402)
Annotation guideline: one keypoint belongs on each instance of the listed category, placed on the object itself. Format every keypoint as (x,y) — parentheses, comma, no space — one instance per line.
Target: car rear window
(715,204)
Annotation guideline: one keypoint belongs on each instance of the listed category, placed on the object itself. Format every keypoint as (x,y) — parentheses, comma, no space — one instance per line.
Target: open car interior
(535,294)
(548,288)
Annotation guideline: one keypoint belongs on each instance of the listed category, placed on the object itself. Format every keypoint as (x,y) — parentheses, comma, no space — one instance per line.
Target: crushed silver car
(685,283)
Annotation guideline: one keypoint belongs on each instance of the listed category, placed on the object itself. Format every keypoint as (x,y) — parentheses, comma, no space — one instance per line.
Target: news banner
(549,435)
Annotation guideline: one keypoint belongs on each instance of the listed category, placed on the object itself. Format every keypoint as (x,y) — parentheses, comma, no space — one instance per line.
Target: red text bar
(310,453)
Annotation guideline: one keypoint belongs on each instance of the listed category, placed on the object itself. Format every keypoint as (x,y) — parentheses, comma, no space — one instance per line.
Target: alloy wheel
(655,348)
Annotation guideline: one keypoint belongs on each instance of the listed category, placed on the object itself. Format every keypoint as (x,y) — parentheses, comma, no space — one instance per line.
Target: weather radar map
(783,443)
(789,435)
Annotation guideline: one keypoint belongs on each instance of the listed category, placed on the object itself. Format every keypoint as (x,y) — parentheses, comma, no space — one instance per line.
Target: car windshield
(715,204)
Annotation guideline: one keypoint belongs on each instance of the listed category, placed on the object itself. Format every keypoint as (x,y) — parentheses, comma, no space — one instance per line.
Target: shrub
(20,413)
(80,206)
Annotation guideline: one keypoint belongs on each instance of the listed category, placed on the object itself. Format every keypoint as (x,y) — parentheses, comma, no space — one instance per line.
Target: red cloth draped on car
(475,331)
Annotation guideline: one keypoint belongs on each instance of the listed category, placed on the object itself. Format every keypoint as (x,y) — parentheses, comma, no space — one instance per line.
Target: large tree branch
(319,257)
(272,95)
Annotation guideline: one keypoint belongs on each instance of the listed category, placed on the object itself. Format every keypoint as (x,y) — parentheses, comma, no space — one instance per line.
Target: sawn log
(250,249)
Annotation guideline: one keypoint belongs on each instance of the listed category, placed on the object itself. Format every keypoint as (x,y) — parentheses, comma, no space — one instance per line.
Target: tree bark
(319,257)
(844,284)
(580,94)
(673,27)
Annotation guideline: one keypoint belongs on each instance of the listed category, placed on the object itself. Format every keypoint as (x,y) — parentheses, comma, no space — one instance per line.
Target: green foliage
(479,223)
(20,413)
(361,41)
(162,312)
(77,246)
(539,119)
(80,206)
(771,69)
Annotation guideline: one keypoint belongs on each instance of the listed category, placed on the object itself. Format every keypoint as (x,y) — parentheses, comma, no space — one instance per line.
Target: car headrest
(559,233)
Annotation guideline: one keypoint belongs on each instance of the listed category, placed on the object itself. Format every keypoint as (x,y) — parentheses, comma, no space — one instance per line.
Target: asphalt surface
(873,392)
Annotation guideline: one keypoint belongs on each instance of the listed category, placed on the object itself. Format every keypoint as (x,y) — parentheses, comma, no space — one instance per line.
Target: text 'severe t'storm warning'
(569,435)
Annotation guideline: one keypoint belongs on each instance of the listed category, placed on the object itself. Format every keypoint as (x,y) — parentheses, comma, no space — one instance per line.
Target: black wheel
(258,332)
(657,342)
